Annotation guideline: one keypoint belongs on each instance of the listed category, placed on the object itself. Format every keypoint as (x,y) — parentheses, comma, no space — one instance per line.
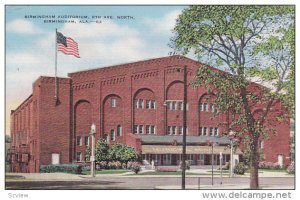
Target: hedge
(67,168)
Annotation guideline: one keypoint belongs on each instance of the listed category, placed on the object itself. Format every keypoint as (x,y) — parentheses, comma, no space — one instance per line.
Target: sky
(143,33)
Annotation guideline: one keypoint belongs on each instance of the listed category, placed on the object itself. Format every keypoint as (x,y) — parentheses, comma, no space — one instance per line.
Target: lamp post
(184,127)
(221,167)
(92,159)
(212,159)
(231,137)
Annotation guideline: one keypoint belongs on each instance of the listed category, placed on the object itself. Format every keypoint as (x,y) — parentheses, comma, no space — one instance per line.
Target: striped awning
(168,149)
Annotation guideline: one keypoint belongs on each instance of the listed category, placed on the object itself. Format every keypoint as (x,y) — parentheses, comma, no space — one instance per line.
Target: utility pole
(93,131)
(184,127)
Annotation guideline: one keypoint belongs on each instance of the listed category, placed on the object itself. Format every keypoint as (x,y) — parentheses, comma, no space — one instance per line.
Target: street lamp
(231,137)
(92,159)
(221,167)
(212,159)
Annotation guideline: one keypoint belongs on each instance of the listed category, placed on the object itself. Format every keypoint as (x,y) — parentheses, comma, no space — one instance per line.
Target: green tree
(122,153)
(101,151)
(240,40)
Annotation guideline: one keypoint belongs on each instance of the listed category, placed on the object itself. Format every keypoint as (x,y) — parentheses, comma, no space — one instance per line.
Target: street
(129,183)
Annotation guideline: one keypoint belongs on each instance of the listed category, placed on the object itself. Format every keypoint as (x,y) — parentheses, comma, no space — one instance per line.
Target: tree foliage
(248,43)
(122,153)
(101,151)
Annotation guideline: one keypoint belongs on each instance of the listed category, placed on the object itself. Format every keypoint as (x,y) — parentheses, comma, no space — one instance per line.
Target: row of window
(145,129)
(113,135)
(81,139)
(171,105)
(209,131)
(176,105)
(176,130)
(206,107)
(140,103)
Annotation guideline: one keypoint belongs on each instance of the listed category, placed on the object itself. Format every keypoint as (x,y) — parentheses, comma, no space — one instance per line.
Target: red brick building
(139,104)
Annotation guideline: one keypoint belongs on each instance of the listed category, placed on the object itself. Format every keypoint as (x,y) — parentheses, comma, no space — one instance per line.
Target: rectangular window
(152,129)
(211,131)
(173,105)
(141,103)
(169,130)
(87,141)
(136,103)
(180,105)
(106,137)
(148,129)
(119,130)
(174,130)
(169,105)
(135,129)
(141,129)
(205,107)
(79,141)
(153,104)
(78,156)
(201,156)
(180,130)
(113,102)
(148,104)
(200,131)
(216,131)
(204,131)
(112,135)
(201,107)
(212,107)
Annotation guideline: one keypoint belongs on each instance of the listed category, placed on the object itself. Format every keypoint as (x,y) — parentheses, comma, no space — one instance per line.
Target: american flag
(67,45)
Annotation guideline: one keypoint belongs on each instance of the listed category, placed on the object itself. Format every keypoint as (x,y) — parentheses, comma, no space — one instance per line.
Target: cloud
(105,30)
(22,26)
(164,25)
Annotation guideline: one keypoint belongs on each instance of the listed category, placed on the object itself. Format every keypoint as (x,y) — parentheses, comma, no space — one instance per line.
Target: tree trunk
(254,165)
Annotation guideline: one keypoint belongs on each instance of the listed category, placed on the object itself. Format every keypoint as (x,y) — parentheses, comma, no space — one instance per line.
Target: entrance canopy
(169,149)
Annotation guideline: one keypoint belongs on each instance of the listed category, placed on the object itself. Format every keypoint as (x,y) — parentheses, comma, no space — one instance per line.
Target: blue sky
(30,43)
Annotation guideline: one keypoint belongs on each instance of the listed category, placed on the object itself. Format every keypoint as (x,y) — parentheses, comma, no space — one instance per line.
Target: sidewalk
(222,187)
(42,176)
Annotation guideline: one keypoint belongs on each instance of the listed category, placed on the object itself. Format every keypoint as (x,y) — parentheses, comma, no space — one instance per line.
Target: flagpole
(56,82)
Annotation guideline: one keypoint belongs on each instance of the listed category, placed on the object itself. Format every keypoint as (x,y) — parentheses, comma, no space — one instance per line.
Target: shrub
(136,167)
(268,165)
(124,166)
(118,165)
(67,168)
(86,168)
(129,165)
(187,165)
(122,153)
(240,168)
(102,165)
(291,168)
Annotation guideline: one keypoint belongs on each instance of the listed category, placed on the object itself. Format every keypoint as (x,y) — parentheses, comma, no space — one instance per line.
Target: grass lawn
(14,177)
(107,171)
(272,170)
(167,173)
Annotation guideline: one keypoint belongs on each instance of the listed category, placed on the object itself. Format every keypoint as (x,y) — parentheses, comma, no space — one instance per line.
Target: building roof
(168,149)
(157,139)
(174,58)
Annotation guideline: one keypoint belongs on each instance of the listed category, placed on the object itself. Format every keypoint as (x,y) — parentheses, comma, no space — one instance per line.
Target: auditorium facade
(138,104)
